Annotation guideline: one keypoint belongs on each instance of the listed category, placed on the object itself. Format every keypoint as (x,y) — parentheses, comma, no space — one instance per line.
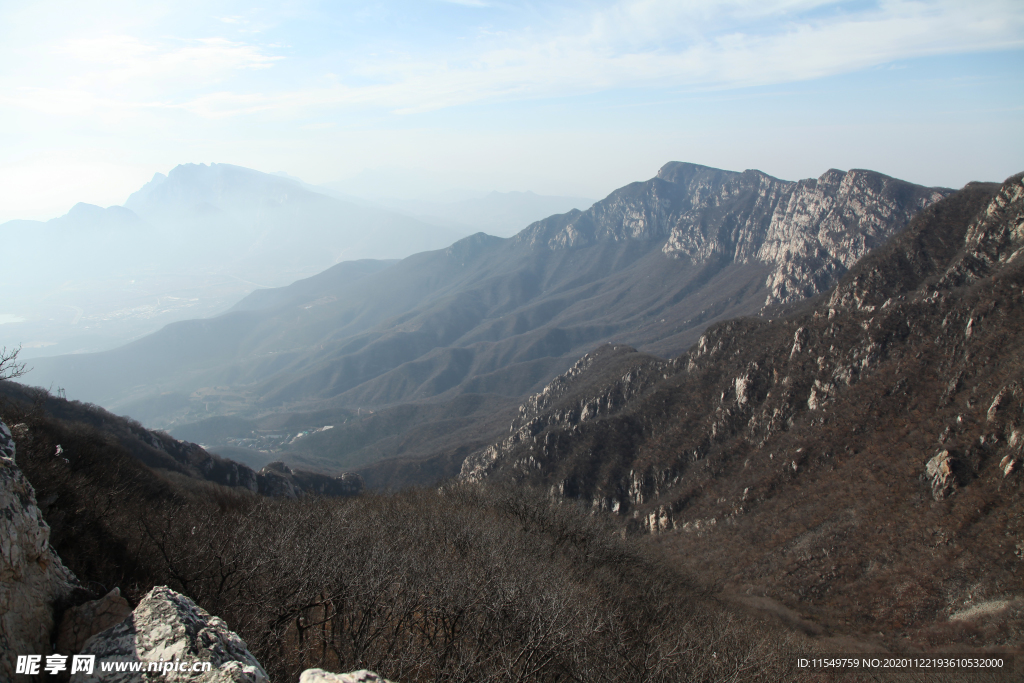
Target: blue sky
(570,98)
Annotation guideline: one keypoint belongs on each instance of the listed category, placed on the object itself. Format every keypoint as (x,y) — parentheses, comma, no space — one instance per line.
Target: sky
(558,97)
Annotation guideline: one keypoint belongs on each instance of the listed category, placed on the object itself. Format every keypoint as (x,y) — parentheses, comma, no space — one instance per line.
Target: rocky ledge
(167,627)
(33,580)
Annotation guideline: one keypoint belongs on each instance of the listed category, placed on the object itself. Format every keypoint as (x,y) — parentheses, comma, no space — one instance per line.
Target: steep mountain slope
(651,265)
(58,430)
(859,461)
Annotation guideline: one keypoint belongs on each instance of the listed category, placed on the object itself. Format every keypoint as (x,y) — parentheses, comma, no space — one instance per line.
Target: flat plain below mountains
(436,351)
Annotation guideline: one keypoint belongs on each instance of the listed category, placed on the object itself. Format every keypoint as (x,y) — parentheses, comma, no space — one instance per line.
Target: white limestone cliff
(32,578)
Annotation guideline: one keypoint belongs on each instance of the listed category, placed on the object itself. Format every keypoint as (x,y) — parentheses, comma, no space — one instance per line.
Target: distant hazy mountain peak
(83,208)
(89,218)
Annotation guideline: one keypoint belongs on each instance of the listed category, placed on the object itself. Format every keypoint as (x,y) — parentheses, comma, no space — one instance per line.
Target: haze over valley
(191,243)
(463,340)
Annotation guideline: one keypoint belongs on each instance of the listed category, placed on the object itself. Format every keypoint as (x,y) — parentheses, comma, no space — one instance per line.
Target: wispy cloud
(656,43)
(125,74)
(676,44)
(121,58)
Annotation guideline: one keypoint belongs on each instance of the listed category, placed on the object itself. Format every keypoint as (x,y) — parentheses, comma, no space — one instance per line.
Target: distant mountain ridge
(261,221)
(809,231)
(502,316)
(186,245)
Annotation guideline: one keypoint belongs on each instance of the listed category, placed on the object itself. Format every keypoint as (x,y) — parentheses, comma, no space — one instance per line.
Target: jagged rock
(80,623)
(220,470)
(321,676)
(275,480)
(1007,465)
(808,232)
(32,577)
(571,411)
(7,447)
(280,481)
(167,626)
(939,470)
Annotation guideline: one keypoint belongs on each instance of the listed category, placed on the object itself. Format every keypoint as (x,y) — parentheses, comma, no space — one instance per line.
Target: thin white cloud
(120,58)
(123,74)
(675,44)
(655,43)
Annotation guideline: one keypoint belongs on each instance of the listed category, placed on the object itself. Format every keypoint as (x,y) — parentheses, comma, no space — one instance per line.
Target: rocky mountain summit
(887,416)
(808,232)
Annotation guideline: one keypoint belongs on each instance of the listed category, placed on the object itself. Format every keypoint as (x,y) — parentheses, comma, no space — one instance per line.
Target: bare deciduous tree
(9,365)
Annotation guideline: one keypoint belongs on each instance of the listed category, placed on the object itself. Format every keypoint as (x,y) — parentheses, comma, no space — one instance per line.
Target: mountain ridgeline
(798,402)
(188,244)
(873,439)
(651,265)
(60,429)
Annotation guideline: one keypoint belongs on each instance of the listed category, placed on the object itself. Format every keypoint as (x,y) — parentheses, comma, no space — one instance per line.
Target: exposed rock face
(159,449)
(80,623)
(7,446)
(167,626)
(34,585)
(868,319)
(212,468)
(939,471)
(809,232)
(32,577)
(651,266)
(321,676)
(280,481)
(567,401)
(276,480)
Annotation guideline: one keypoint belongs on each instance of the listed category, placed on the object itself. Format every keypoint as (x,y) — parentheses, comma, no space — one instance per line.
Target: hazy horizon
(570,98)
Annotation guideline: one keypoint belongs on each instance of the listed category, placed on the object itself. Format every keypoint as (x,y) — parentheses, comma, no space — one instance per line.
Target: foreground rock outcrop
(33,580)
(36,588)
(168,626)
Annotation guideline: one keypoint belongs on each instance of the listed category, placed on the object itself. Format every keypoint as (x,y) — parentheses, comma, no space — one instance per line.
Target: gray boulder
(165,627)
